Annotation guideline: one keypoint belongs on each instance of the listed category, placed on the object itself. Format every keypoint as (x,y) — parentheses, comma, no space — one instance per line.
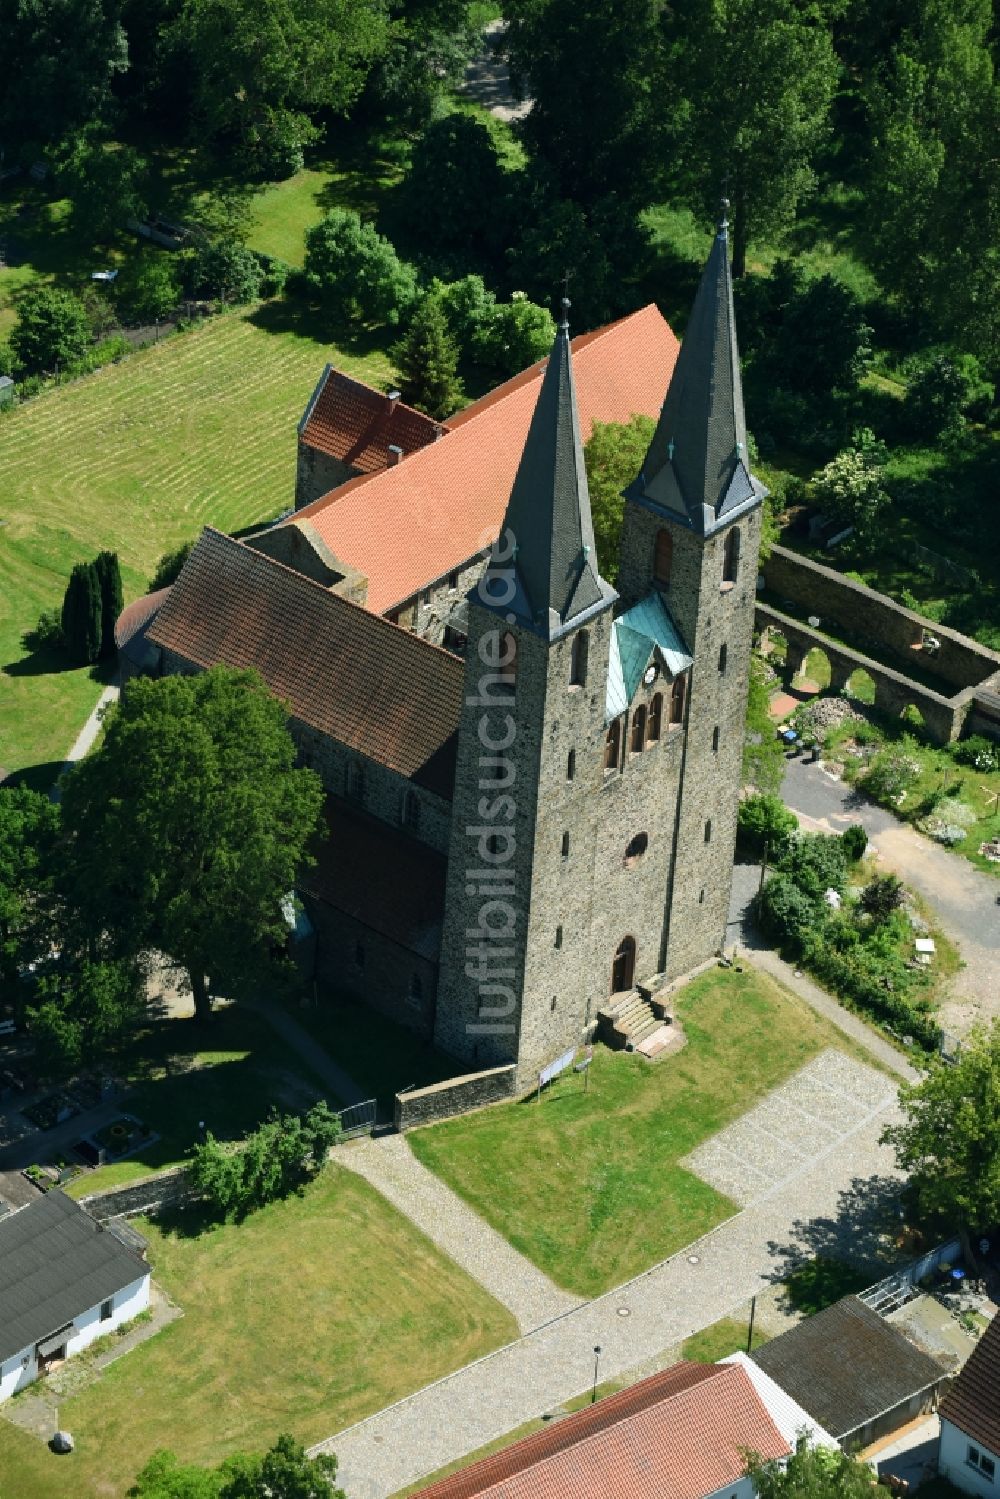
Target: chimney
(392,396)
(395,454)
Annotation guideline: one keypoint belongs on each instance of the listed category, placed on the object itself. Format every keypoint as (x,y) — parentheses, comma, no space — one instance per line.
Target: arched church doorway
(623,968)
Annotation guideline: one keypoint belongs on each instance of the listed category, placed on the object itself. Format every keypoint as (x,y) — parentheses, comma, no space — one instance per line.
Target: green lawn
(229,1075)
(728,1335)
(197,430)
(587,1184)
(312,1314)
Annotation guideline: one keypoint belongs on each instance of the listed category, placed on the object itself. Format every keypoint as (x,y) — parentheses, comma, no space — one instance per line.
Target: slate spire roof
(697,466)
(548,531)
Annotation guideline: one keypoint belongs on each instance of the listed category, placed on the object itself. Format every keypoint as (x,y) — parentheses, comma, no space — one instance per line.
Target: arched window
(356,781)
(731,556)
(655,719)
(623,967)
(613,745)
(638,729)
(723,656)
(565,845)
(571,765)
(578,659)
(635,848)
(508,658)
(411,809)
(677,701)
(663,556)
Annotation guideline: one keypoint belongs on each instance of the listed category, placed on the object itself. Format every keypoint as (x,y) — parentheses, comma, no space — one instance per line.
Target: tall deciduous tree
(29,828)
(186,828)
(356,272)
(814,1473)
(428,362)
(52,330)
(614,454)
(59,59)
(949,1140)
(759,77)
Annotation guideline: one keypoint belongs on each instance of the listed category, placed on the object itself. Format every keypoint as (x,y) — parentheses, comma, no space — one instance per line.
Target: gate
(358,1119)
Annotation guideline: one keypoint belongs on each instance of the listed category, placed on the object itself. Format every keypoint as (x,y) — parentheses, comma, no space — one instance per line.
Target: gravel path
(822,1203)
(392,1168)
(88,733)
(487,78)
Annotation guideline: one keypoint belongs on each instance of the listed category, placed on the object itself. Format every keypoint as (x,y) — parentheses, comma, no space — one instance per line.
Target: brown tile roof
(847,1365)
(346,672)
(680,1434)
(973,1401)
(135,616)
(356,424)
(381,877)
(407,526)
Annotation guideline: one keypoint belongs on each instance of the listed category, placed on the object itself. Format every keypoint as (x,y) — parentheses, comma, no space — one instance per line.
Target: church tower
(691,533)
(516,978)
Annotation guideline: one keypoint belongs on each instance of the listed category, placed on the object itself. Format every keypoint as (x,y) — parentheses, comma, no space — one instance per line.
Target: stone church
(532,775)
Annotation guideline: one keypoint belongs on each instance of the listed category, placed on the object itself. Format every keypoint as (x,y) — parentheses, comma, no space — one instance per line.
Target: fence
(903,1285)
(358,1119)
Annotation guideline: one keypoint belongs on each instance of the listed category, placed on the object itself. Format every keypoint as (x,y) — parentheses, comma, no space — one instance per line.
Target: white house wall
(126,1304)
(16,1372)
(741,1489)
(952,1463)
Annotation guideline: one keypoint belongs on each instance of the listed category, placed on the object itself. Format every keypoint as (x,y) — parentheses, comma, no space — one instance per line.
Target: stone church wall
(455,1096)
(317,473)
(426,613)
(370,967)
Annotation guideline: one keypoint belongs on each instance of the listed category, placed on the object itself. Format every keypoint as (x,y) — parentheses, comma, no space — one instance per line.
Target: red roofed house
(532,776)
(969,1454)
(681,1434)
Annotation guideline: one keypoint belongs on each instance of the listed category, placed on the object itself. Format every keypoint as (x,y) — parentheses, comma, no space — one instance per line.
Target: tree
(82,614)
(763,752)
(59,62)
(850,486)
(165,1477)
(514,335)
(940,392)
(283,1472)
(785,912)
(186,828)
(356,272)
(169,567)
(427,359)
(614,454)
(814,1473)
(881,896)
(454,196)
(228,270)
(106,184)
(29,830)
(605,247)
(816,862)
(51,330)
(855,841)
(261,68)
(765,824)
(949,1139)
(560,51)
(273,1161)
(756,125)
(109,578)
(79,1009)
(430,44)
(148,287)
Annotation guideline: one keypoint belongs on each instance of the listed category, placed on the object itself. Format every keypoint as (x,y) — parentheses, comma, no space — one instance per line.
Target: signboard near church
(554,1068)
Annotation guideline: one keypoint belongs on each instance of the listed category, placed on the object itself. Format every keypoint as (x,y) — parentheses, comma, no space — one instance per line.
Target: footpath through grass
(588,1184)
(310,1315)
(197,430)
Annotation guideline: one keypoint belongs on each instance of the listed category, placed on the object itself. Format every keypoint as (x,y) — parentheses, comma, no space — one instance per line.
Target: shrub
(785,912)
(939,394)
(109,577)
(514,335)
(891,773)
(817,863)
(850,486)
(467,305)
(48,632)
(149,287)
(356,272)
(168,569)
(881,897)
(765,825)
(977,751)
(52,329)
(855,841)
(229,271)
(271,1162)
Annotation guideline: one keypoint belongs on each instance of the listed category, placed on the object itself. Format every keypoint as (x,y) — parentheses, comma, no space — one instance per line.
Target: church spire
(548,527)
(697,467)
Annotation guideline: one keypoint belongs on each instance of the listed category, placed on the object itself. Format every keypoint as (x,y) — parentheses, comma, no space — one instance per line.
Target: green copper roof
(642,632)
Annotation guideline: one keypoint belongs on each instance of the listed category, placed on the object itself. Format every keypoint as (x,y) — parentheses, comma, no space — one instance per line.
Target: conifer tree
(428,362)
(109,576)
(82,614)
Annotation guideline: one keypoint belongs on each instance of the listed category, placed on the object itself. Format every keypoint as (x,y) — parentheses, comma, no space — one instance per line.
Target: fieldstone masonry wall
(166,1189)
(317,473)
(455,1096)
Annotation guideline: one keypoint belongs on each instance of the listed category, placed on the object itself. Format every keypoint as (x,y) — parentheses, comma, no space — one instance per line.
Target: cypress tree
(109,576)
(428,362)
(82,613)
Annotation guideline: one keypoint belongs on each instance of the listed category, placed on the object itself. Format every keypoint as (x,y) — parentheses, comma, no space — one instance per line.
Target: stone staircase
(630,1020)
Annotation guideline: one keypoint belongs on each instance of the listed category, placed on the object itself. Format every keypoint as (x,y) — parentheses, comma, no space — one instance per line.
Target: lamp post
(597,1360)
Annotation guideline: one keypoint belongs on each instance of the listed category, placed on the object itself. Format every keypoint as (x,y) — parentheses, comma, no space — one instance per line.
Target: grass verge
(588,1184)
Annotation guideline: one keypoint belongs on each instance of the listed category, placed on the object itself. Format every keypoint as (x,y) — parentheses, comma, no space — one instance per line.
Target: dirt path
(487,78)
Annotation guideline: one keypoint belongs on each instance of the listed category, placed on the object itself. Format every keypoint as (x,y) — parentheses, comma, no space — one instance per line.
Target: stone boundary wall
(875,620)
(455,1096)
(145,1196)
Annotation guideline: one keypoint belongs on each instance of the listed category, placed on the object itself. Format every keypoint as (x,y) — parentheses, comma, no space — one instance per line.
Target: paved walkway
(87,735)
(487,78)
(338,1081)
(392,1168)
(632,1325)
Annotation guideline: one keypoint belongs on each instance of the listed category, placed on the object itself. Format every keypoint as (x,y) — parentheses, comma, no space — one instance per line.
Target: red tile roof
(382,877)
(407,526)
(973,1401)
(135,616)
(356,424)
(679,1435)
(364,681)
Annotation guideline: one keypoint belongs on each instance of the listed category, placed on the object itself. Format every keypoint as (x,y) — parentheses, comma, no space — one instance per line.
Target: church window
(453,580)
(731,557)
(411,810)
(715,739)
(635,849)
(578,659)
(677,701)
(701,898)
(553,1006)
(623,967)
(663,556)
(708,830)
(565,845)
(723,656)
(571,765)
(558,936)
(356,781)
(655,718)
(613,745)
(638,729)
(416,994)
(508,658)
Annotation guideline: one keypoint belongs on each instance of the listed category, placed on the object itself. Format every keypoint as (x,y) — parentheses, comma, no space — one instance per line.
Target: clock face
(650,676)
